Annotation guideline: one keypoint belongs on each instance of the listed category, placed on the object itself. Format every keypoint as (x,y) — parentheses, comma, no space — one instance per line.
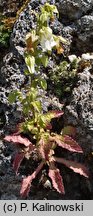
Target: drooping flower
(46,39)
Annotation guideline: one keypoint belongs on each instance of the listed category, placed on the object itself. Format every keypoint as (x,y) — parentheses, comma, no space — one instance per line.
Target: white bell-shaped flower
(46,39)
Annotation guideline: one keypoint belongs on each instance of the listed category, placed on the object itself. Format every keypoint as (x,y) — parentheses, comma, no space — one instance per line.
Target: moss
(4,33)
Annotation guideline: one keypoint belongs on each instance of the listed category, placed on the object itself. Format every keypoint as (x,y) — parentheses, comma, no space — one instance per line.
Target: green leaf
(44,17)
(26,72)
(33,94)
(37,105)
(30,125)
(43,84)
(30,62)
(26,109)
(44,60)
(14,95)
(42,121)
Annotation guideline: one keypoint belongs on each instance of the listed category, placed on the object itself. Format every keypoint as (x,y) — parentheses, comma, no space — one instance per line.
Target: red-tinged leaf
(25,187)
(26,183)
(67,143)
(49,126)
(56,113)
(45,149)
(57,181)
(18,140)
(69,130)
(17,161)
(42,149)
(76,167)
(73,144)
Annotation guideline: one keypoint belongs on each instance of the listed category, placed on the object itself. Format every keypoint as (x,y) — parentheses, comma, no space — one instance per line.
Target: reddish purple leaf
(67,143)
(57,181)
(18,140)
(25,187)
(42,149)
(26,183)
(49,126)
(45,149)
(56,113)
(17,161)
(76,167)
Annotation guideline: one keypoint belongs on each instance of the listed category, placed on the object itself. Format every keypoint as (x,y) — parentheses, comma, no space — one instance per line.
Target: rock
(84,34)
(10,186)
(73,10)
(12,78)
(7,196)
(80,110)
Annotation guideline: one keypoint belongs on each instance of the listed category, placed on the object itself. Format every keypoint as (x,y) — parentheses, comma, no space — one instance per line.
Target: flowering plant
(36,123)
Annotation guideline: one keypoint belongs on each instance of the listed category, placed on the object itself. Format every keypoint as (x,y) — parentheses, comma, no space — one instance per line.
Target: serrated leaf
(53,114)
(45,149)
(49,126)
(44,17)
(41,149)
(42,121)
(37,105)
(76,167)
(73,144)
(18,140)
(44,60)
(57,113)
(69,130)
(67,143)
(17,161)
(26,183)
(57,180)
(25,186)
(43,84)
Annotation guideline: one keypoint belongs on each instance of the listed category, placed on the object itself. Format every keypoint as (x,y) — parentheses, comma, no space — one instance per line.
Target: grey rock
(10,186)
(85,34)
(80,110)
(7,196)
(11,78)
(74,9)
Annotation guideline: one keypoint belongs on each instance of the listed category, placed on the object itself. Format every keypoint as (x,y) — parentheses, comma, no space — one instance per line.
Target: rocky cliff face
(76,24)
